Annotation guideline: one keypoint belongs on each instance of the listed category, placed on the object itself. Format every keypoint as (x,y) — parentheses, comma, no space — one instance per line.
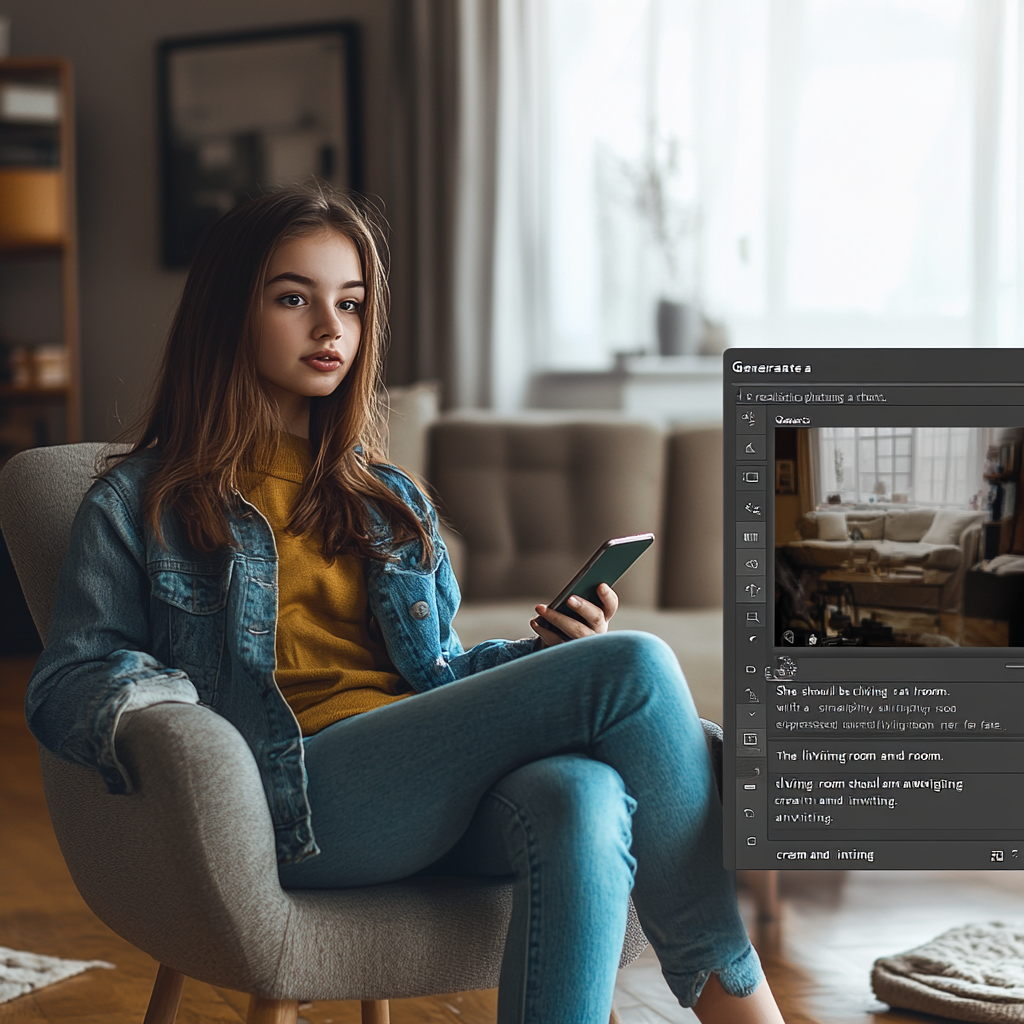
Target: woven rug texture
(972,973)
(21,973)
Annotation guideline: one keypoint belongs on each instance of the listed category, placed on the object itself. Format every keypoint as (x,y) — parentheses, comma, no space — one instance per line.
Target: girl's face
(311,322)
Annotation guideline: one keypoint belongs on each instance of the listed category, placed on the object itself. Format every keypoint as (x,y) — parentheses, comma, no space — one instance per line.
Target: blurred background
(583,195)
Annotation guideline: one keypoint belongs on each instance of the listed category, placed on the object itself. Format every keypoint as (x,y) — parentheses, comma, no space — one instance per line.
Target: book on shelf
(1008,457)
(31,190)
(29,124)
(1009,506)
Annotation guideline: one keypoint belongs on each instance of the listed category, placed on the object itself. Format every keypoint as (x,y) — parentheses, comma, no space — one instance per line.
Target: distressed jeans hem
(741,977)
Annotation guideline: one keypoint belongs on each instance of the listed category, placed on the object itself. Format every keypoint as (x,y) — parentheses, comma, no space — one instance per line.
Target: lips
(324,362)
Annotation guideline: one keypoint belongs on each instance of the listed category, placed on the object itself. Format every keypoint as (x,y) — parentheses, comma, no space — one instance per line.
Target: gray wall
(126,297)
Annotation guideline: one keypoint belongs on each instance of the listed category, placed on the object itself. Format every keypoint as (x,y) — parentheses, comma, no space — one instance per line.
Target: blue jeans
(582,772)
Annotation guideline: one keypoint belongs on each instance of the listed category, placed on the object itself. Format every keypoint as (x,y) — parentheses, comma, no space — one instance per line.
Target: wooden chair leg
(376,1011)
(272,1011)
(163,1003)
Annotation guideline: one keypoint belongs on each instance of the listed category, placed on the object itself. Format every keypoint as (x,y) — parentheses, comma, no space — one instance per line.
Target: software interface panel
(874,609)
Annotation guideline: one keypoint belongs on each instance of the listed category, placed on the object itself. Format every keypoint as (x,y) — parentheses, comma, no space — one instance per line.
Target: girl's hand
(596,618)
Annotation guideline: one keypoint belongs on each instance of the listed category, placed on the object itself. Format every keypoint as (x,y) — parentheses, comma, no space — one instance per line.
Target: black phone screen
(606,565)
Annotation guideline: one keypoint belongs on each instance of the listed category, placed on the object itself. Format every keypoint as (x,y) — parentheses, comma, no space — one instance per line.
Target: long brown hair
(214,423)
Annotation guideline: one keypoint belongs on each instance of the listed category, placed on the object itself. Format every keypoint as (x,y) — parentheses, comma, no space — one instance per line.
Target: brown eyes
(297,301)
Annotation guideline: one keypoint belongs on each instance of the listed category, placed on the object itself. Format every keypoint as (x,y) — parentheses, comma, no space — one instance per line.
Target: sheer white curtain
(933,466)
(808,172)
(520,330)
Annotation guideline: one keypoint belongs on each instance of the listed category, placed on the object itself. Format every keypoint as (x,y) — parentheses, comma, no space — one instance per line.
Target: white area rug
(21,973)
(973,973)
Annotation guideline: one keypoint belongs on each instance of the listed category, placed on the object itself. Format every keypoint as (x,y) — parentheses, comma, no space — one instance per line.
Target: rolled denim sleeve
(484,655)
(489,653)
(426,649)
(97,663)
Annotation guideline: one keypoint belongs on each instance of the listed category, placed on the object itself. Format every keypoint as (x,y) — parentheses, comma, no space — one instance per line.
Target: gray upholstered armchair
(184,867)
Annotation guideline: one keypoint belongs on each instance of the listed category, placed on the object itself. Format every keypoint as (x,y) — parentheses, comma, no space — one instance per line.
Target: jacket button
(419,610)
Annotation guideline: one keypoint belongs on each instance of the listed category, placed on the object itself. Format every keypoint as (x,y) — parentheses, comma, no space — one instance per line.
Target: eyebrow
(299,279)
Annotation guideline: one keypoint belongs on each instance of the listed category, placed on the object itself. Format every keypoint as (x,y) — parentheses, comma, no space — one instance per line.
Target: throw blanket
(973,973)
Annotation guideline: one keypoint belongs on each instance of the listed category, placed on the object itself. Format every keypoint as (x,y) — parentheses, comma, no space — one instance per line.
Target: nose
(329,326)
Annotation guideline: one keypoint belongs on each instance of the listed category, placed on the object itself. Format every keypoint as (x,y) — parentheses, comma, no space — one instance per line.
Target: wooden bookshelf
(40,401)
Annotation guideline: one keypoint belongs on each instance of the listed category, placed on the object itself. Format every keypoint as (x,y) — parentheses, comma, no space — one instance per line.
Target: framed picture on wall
(242,114)
(785,476)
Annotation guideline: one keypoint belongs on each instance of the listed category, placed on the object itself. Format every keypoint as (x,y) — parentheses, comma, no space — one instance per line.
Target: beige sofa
(944,540)
(527,499)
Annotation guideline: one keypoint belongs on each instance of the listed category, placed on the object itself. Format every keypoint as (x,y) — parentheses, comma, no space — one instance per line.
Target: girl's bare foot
(716,1006)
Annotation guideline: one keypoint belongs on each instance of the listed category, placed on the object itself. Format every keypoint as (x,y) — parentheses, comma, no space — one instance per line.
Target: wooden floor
(834,925)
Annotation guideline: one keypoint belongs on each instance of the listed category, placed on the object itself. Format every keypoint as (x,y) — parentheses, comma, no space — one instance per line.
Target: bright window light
(816,173)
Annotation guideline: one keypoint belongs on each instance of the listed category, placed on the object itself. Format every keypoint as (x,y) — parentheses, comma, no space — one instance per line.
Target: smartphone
(606,565)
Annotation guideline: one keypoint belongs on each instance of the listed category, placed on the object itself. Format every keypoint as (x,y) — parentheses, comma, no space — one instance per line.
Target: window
(806,172)
(934,466)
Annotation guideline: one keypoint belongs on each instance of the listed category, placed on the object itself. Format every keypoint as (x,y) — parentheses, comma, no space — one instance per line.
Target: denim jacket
(137,623)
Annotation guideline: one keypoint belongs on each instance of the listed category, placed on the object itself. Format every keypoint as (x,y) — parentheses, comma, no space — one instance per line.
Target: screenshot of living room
(511,511)
(874,639)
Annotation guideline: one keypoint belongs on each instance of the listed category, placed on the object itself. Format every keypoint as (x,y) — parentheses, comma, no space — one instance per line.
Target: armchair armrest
(715,739)
(186,864)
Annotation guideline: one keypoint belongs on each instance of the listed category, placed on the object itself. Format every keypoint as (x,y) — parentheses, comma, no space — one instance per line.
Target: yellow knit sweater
(329,666)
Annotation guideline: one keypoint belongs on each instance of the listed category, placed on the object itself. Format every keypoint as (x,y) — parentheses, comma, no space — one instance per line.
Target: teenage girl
(255,552)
